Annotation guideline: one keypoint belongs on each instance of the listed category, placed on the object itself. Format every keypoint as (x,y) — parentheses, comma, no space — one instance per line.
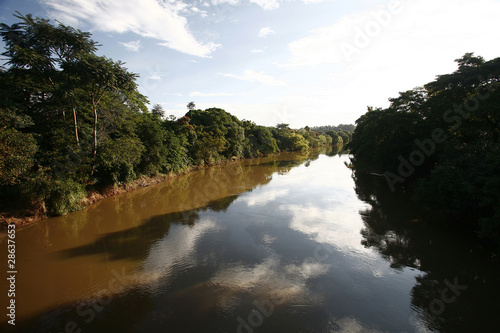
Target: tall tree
(37,46)
(101,76)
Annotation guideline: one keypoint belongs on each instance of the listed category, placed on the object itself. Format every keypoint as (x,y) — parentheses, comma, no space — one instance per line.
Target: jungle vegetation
(72,121)
(441,143)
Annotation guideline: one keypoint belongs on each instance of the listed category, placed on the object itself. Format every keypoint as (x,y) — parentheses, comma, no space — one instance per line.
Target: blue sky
(301,62)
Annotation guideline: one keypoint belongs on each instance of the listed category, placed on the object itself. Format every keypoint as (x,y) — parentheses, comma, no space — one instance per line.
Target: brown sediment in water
(38,212)
(25,217)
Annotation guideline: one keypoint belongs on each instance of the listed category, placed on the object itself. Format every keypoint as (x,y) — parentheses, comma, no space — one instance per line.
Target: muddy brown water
(289,243)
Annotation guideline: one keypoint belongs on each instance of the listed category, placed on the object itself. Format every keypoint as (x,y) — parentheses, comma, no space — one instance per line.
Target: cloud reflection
(271,280)
(339,228)
(176,251)
(265,196)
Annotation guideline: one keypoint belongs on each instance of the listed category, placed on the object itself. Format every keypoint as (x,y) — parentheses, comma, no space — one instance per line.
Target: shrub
(117,159)
(64,196)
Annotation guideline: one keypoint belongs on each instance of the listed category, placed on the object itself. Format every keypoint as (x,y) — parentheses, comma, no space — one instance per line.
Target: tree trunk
(76,126)
(94,145)
(95,102)
(95,132)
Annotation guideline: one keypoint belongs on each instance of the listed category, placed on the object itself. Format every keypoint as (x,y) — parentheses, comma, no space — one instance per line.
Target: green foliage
(225,129)
(153,137)
(158,111)
(64,196)
(177,156)
(17,151)
(344,136)
(453,124)
(259,140)
(325,139)
(298,142)
(118,159)
(336,138)
(328,128)
(266,144)
(70,119)
(208,146)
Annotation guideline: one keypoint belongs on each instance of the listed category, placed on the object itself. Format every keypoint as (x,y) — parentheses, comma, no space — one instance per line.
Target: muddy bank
(22,218)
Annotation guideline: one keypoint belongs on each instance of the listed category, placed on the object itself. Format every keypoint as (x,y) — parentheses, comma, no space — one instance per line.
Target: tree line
(72,121)
(342,127)
(441,142)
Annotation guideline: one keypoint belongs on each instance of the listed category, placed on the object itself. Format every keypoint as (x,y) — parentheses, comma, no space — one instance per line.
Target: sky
(299,62)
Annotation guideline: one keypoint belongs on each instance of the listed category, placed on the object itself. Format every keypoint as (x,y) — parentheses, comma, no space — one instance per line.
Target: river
(291,243)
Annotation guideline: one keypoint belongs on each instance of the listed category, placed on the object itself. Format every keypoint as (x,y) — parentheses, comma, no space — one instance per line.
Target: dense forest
(72,121)
(441,143)
(341,127)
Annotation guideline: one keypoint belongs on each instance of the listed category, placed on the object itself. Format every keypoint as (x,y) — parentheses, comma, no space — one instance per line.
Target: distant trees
(259,140)
(442,140)
(340,135)
(336,138)
(341,127)
(157,111)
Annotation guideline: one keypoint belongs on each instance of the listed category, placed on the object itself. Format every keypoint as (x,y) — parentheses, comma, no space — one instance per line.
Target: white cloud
(257,51)
(228,2)
(147,18)
(253,76)
(200,94)
(264,113)
(419,30)
(133,46)
(412,47)
(196,10)
(266,31)
(267,4)
(154,76)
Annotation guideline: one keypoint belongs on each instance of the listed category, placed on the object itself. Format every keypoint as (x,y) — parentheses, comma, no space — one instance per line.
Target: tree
(282,126)
(119,157)
(37,46)
(443,142)
(101,76)
(158,111)
(336,139)
(17,149)
(344,136)
(267,144)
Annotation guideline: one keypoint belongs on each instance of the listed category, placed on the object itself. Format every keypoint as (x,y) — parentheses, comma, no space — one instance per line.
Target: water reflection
(76,256)
(263,245)
(457,289)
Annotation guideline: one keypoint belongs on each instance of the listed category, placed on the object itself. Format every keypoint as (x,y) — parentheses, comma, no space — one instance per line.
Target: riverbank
(22,218)
(26,217)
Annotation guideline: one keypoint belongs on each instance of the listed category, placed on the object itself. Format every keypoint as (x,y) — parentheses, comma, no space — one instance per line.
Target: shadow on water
(458,288)
(124,303)
(128,303)
(135,242)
